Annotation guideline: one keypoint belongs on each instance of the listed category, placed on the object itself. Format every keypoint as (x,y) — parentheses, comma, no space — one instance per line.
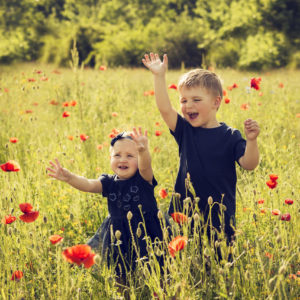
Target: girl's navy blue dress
(124,196)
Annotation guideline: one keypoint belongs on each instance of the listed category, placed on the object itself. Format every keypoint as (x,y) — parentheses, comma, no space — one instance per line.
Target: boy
(207,149)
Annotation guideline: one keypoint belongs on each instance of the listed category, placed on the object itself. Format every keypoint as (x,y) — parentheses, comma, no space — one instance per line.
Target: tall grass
(266,250)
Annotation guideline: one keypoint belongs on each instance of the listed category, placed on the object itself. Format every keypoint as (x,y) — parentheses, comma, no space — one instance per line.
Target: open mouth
(192,116)
(123,167)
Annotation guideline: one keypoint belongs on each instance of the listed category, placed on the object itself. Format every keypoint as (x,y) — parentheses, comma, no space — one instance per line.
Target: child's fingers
(146,132)
(57,162)
(52,164)
(134,132)
(165,59)
(51,170)
(140,131)
(152,56)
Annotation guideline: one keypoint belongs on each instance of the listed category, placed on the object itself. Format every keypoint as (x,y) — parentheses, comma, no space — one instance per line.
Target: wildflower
(163,193)
(210,200)
(261,201)
(102,68)
(179,218)
(10,166)
(25,207)
(269,255)
(234,86)
(224,93)
(271,184)
(73,103)
(273,177)
(298,115)
(13,140)
(288,201)
(54,239)
(285,217)
(66,114)
(9,219)
(255,82)
(35,104)
(56,72)
(227,100)
(149,93)
(53,102)
(29,217)
(281,85)
(70,137)
(157,133)
(177,244)
(157,124)
(172,86)
(84,137)
(28,111)
(129,215)
(245,106)
(17,275)
(114,114)
(65,104)
(80,254)
(275,212)
(263,211)
(100,147)
(260,94)
(43,78)
(31,80)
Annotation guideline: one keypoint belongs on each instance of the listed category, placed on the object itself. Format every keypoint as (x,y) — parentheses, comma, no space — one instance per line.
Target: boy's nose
(123,159)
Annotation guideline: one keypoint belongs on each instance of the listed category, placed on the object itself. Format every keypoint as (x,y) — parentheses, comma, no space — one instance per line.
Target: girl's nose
(123,158)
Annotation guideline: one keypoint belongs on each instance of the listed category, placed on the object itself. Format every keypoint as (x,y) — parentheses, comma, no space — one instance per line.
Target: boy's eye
(117,155)
(197,100)
(183,101)
(129,155)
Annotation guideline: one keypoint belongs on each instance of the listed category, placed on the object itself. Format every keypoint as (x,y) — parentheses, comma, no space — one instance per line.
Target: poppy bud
(97,260)
(129,215)
(187,200)
(138,232)
(275,231)
(177,196)
(223,207)
(159,214)
(45,219)
(197,199)
(210,200)
(118,234)
(196,217)
(9,231)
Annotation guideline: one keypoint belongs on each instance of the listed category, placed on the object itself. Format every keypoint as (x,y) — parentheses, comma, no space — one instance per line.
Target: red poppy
(289,201)
(10,166)
(31,80)
(157,124)
(28,111)
(73,103)
(157,133)
(114,114)
(66,114)
(163,193)
(112,135)
(179,218)
(229,88)
(276,212)
(17,275)
(13,140)
(281,85)
(70,137)
(115,131)
(273,177)
(102,68)
(80,254)
(177,244)
(54,239)
(261,201)
(260,94)
(53,102)
(244,106)
(263,210)
(6,90)
(269,255)
(234,86)
(255,82)
(285,217)
(9,219)
(226,100)
(43,78)
(84,137)
(149,93)
(224,93)
(298,115)
(35,104)
(100,147)
(56,72)
(29,217)
(271,184)
(66,104)
(25,207)
(172,86)
(38,71)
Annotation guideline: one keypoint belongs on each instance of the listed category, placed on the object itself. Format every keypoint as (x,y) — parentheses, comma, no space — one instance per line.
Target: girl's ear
(217,101)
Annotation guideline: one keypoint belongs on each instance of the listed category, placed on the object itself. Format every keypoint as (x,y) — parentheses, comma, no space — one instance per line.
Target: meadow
(33,98)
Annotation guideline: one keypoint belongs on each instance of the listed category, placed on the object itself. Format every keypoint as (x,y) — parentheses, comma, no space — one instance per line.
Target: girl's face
(124,158)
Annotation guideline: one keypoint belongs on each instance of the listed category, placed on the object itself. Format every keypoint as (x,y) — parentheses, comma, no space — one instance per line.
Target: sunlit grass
(266,250)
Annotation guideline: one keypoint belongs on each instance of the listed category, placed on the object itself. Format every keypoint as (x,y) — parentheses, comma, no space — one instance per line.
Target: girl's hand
(251,129)
(154,63)
(140,139)
(58,172)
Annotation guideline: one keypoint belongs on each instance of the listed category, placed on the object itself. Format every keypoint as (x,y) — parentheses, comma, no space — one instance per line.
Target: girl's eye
(117,155)
(129,155)
(197,100)
(183,101)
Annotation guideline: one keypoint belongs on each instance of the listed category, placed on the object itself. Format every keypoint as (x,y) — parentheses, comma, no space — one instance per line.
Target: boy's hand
(58,172)
(251,129)
(140,139)
(154,63)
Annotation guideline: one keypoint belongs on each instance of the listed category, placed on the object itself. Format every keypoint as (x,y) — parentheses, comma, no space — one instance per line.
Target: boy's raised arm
(81,183)
(158,69)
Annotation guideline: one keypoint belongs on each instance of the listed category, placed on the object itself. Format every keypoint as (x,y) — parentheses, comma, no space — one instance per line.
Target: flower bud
(187,200)
(210,200)
(197,199)
(138,232)
(177,196)
(129,215)
(45,219)
(159,214)
(196,217)
(118,234)
(97,259)
(275,231)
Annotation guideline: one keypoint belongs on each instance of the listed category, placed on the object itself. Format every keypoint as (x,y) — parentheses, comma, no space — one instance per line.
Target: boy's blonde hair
(202,78)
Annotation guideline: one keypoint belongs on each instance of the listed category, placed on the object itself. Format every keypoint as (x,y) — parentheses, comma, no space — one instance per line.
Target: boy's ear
(218,101)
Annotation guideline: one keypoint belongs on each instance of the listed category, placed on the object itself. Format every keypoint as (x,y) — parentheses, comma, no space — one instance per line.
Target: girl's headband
(120,136)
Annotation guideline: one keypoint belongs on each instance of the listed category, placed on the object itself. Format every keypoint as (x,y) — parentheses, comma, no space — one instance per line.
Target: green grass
(43,136)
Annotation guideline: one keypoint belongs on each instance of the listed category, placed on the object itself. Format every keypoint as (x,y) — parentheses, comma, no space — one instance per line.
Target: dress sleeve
(239,145)
(178,129)
(106,181)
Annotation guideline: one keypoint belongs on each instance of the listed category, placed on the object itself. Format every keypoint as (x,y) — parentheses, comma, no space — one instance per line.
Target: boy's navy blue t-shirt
(209,156)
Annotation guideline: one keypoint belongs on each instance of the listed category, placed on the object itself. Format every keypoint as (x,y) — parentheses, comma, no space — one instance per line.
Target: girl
(131,202)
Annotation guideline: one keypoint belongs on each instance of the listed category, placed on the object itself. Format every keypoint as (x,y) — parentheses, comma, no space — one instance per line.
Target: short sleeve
(106,181)
(239,145)
(178,129)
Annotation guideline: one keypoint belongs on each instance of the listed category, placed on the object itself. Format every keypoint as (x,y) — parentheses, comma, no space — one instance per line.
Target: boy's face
(199,106)
(124,158)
